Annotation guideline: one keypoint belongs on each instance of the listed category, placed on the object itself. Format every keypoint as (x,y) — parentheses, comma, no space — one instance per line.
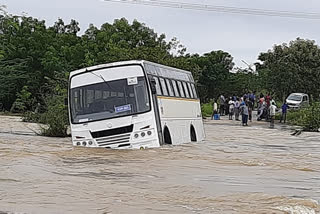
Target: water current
(236,170)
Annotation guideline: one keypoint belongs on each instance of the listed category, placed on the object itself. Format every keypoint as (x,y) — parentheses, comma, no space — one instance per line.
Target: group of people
(267,109)
(235,106)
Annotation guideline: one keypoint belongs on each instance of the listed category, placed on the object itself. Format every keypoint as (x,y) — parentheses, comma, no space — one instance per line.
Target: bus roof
(122,63)
(164,66)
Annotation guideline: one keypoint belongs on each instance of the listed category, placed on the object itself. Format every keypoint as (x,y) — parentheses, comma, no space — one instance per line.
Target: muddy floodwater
(236,170)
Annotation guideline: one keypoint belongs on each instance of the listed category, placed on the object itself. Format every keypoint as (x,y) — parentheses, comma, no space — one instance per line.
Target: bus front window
(109,99)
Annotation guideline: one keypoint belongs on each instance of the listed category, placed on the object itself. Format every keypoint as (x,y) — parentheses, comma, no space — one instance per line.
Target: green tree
(243,81)
(13,76)
(215,71)
(293,67)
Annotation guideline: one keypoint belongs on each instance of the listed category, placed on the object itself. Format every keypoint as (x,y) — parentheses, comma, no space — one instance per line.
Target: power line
(221,9)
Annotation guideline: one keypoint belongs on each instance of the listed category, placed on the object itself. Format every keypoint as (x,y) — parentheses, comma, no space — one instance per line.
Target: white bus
(133,104)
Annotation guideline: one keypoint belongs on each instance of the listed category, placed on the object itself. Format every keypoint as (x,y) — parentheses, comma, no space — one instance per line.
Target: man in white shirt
(215,109)
(231,109)
(237,109)
(272,110)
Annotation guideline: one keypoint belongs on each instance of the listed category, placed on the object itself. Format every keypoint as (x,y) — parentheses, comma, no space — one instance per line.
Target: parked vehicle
(298,100)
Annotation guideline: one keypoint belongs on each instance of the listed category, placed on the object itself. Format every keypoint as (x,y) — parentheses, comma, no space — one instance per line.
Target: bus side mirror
(153,86)
(66,101)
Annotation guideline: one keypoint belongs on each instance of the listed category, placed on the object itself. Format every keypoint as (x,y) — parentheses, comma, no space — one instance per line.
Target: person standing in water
(215,109)
(284,109)
(250,109)
(244,113)
(272,110)
(237,109)
(231,108)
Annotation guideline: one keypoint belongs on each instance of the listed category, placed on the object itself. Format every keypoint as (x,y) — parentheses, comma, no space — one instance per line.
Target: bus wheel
(166,135)
(193,134)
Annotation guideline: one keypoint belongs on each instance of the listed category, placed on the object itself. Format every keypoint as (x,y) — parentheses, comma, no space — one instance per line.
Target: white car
(298,100)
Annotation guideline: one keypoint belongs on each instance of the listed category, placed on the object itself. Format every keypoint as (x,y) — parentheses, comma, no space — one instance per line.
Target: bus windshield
(110,99)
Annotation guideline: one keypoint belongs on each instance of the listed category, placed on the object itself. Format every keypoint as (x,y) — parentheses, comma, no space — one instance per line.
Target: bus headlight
(149,133)
(143,134)
(84,143)
(136,135)
(78,143)
(90,142)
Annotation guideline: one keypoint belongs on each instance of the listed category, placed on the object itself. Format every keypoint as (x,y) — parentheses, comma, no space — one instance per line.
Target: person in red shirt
(268,99)
(261,100)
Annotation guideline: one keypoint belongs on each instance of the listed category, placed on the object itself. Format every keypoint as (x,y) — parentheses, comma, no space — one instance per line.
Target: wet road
(236,170)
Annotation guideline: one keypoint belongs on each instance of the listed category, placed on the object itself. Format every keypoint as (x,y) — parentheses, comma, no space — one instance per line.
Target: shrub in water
(311,120)
(55,118)
(307,118)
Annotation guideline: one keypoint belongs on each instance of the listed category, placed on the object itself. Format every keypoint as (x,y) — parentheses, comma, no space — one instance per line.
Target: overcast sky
(243,36)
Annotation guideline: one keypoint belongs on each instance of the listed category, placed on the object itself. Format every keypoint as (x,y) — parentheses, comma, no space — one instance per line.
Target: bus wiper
(101,77)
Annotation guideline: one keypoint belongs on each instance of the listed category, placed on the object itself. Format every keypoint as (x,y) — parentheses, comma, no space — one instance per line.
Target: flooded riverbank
(236,170)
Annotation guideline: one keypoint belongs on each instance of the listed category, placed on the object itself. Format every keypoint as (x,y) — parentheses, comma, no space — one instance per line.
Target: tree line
(35,61)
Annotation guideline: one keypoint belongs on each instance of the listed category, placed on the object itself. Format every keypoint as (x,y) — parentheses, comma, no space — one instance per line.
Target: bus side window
(175,88)
(186,89)
(190,90)
(76,100)
(158,88)
(194,91)
(164,87)
(170,88)
(181,89)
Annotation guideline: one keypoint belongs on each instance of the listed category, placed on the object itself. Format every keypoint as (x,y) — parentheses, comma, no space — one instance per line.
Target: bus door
(156,108)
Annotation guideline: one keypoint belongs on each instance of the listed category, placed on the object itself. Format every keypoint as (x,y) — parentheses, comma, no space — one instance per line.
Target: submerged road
(236,170)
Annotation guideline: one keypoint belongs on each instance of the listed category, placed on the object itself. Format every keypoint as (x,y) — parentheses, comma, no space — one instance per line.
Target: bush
(307,118)
(32,117)
(23,101)
(207,109)
(56,118)
(53,113)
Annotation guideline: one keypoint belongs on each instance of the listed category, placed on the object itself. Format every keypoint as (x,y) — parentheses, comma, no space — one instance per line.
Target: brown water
(236,170)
